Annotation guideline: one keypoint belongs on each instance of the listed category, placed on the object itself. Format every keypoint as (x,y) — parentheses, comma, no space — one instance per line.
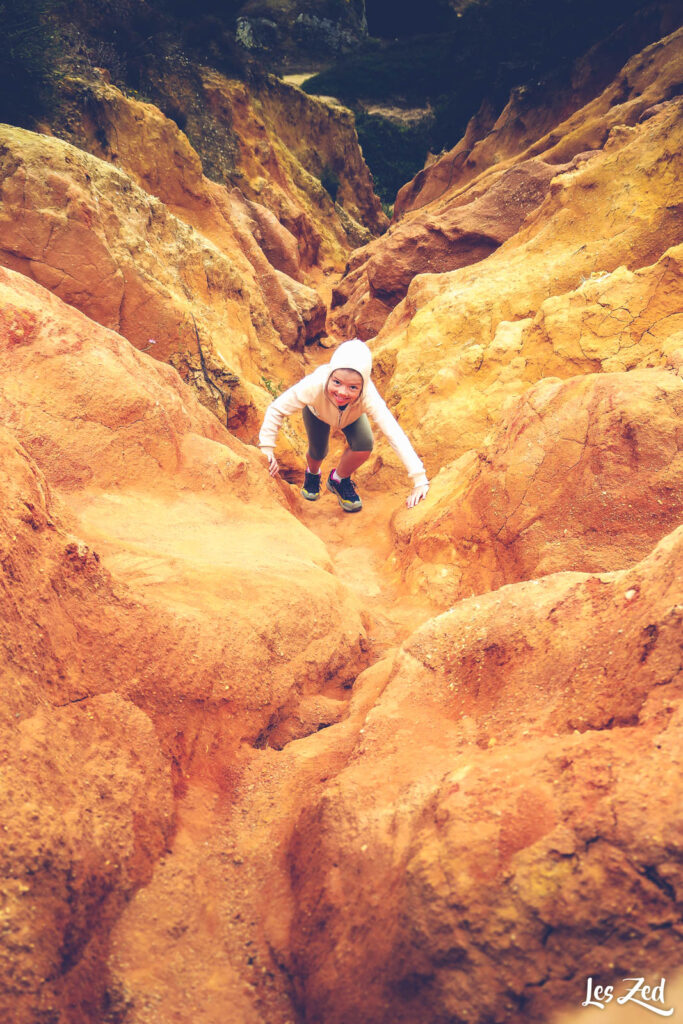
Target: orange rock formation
(138,539)
(504,826)
(587,228)
(263,761)
(206,255)
(582,474)
(465,204)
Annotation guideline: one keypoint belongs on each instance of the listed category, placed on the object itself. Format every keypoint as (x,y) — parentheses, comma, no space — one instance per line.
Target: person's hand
(417,494)
(273,467)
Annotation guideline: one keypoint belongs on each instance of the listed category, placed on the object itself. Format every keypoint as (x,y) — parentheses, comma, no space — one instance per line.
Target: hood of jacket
(352,355)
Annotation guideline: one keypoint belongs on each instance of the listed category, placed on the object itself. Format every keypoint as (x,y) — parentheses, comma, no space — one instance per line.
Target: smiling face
(344,386)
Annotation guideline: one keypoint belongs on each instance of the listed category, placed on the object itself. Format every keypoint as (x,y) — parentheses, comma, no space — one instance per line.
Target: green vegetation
(274,388)
(394,152)
(489,47)
(329,179)
(130,38)
(28,66)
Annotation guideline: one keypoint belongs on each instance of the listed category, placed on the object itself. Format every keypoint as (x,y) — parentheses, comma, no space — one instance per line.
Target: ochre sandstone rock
(446,237)
(203,822)
(288,143)
(183,519)
(453,191)
(276,144)
(584,474)
(612,322)
(86,797)
(155,591)
(138,138)
(587,227)
(87,810)
(505,825)
(83,229)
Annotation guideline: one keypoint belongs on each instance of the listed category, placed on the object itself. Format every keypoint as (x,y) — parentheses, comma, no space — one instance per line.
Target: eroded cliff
(263,761)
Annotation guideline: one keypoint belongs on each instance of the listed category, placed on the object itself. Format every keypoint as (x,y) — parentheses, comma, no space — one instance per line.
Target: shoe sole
(346,505)
(309,496)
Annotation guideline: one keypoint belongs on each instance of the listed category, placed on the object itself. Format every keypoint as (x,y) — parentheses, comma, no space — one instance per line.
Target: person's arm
(396,436)
(290,401)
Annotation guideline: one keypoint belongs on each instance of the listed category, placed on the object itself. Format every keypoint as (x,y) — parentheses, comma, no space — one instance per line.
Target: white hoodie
(312,391)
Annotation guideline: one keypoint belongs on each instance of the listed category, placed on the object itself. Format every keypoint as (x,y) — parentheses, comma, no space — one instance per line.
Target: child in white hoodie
(341,394)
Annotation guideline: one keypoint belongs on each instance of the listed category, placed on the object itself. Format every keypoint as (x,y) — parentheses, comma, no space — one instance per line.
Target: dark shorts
(358,435)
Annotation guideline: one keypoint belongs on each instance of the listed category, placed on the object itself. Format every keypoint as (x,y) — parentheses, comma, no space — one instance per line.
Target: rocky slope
(263,761)
(221,285)
(588,228)
(463,206)
(130,518)
(502,829)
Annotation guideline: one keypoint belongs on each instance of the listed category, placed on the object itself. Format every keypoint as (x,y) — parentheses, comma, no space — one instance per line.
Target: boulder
(584,474)
(613,322)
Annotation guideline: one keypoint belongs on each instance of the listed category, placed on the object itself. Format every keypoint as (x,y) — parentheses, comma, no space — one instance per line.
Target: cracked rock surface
(582,474)
(505,824)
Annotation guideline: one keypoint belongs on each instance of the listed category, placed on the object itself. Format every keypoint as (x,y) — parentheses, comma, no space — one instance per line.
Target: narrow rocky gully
(267,762)
(207,938)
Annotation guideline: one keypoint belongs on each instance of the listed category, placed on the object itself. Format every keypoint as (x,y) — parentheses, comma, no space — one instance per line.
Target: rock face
(284,33)
(139,139)
(583,474)
(87,802)
(613,322)
(178,250)
(203,822)
(471,184)
(289,145)
(532,125)
(587,228)
(278,146)
(85,231)
(138,537)
(455,236)
(509,798)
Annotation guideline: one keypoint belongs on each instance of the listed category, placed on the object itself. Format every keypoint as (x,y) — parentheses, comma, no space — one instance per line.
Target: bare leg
(350,461)
(311,465)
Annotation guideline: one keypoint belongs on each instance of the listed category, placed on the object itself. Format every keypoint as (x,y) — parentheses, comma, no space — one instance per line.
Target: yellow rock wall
(451,325)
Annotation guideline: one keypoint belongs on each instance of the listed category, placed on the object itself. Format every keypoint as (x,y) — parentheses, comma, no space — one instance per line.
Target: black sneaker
(311,488)
(347,495)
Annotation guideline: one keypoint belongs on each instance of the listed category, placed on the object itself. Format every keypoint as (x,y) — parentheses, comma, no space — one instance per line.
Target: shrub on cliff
(489,47)
(394,152)
(28,66)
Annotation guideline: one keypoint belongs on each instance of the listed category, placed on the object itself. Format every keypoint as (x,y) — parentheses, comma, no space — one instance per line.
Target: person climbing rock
(340,394)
